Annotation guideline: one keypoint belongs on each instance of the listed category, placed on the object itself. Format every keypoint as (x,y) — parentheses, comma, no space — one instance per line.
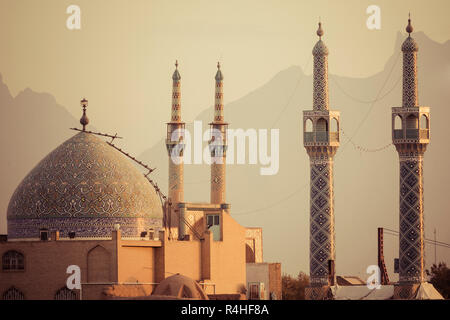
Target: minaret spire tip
(320,30)
(176,75)
(219,76)
(409,27)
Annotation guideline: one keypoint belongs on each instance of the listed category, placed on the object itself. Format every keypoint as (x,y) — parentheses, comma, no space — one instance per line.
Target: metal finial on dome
(409,27)
(218,65)
(320,30)
(176,64)
(84,119)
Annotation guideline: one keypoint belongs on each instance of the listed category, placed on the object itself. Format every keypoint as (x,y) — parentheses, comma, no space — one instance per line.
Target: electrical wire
(430,241)
(373,104)
(333,78)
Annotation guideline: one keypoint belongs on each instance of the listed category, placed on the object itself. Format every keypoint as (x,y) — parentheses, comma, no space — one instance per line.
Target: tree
(440,278)
(294,288)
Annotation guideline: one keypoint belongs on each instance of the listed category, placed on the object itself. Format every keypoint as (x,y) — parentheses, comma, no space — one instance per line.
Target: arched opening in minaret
(322,125)
(412,122)
(322,130)
(398,123)
(334,125)
(424,123)
(308,125)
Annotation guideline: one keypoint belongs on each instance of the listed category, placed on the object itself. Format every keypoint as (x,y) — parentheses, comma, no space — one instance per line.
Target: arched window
(412,122)
(12,260)
(398,123)
(99,265)
(334,125)
(308,125)
(13,294)
(322,125)
(424,122)
(65,294)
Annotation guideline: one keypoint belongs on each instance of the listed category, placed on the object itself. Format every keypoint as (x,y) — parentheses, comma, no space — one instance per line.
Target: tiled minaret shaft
(320,75)
(410,134)
(321,143)
(218,144)
(174,143)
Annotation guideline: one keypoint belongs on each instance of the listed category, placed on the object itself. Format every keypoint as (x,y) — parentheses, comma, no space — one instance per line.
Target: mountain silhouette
(33,125)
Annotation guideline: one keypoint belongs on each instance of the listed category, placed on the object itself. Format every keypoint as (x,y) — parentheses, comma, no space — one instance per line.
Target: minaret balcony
(411,125)
(323,138)
(321,128)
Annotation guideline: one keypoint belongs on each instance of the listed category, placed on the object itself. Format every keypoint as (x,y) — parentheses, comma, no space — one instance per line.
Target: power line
(438,243)
(307,183)
(373,103)
(272,204)
(363,149)
(361,100)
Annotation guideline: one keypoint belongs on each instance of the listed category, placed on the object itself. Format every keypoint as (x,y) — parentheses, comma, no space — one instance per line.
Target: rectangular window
(213,225)
(254,292)
(43,234)
(210,220)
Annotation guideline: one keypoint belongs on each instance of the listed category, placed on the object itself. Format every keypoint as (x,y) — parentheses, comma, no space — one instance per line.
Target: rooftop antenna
(381,263)
(435,255)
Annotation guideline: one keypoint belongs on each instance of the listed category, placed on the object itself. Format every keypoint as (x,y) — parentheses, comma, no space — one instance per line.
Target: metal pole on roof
(435,259)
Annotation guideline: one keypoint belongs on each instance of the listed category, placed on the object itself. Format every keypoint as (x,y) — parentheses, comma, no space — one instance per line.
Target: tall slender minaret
(410,135)
(218,144)
(174,144)
(321,143)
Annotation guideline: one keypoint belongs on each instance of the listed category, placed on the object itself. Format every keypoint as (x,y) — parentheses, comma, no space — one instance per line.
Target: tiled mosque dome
(83,186)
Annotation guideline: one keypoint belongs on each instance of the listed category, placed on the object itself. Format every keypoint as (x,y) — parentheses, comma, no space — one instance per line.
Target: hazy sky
(122,58)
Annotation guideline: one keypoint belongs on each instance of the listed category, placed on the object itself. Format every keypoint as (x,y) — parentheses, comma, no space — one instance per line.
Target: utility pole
(435,260)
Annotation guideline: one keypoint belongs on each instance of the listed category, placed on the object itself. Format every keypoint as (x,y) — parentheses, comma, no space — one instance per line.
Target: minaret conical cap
(176,75)
(219,75)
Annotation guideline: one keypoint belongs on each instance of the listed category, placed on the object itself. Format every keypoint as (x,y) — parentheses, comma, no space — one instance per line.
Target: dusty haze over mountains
(366,194)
